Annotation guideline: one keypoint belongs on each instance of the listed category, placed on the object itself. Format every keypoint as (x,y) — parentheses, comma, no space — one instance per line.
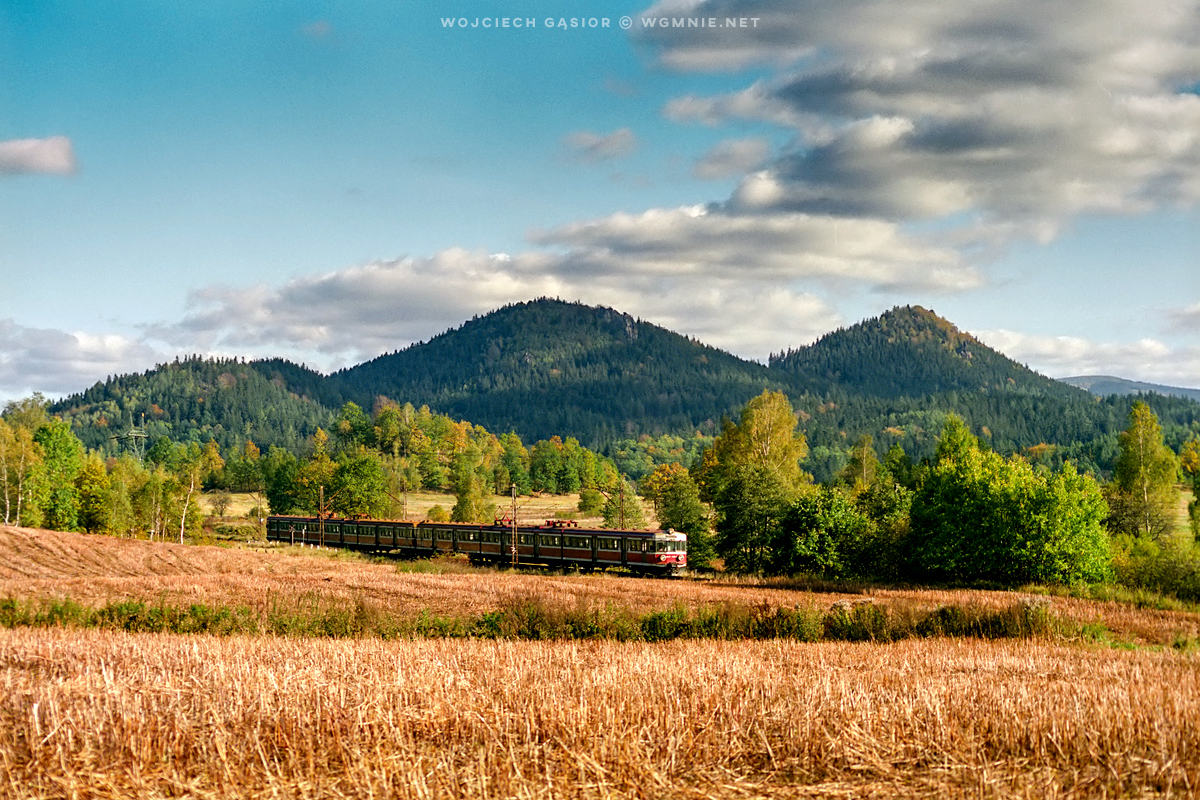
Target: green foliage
(765,436)
(978,516)
(20,472)
(62,459)
(95,501)
(679,507)
(1169,566)
(821,533)
(1144,494)
(639,457)
(622,508)
(195,399)
(358,485)
(281,470)
(749,506)
(591,501)
(532,618)
(606,375)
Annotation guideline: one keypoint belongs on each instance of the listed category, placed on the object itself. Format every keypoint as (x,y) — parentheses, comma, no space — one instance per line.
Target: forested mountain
(195,399)
(548,367)
(897,376)
(910,352)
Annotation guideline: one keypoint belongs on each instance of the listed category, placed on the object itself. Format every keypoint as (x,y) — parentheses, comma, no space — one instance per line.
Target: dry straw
(102,714)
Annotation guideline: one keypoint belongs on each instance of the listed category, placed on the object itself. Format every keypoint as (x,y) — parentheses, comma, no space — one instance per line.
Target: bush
(438,514)
(590,502)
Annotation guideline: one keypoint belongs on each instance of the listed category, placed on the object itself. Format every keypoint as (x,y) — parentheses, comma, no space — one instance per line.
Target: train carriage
(554,544)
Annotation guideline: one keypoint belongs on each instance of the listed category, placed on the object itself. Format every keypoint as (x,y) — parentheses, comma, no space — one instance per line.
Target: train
(557,543)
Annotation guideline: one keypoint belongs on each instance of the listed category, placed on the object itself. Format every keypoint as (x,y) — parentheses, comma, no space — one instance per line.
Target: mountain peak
(909,351)
(543,366)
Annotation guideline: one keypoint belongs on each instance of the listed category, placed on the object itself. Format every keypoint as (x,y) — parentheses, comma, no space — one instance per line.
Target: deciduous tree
(1145,476)
(749,505)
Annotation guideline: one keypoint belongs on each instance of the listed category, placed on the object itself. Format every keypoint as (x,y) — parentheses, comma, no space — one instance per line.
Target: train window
(524,538)
(550,541)
(606,543)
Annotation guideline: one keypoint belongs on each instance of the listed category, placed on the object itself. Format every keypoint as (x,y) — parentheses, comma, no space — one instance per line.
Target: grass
(138,669)
(97,571)
(532,619)
(103,714)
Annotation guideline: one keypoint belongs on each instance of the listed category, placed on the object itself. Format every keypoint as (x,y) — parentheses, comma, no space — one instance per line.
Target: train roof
(549,526)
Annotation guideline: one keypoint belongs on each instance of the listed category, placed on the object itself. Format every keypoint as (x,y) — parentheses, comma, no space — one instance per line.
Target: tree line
(966,514)
(963,513)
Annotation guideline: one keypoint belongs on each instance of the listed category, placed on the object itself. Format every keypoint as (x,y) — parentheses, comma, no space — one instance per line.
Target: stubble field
(99,713)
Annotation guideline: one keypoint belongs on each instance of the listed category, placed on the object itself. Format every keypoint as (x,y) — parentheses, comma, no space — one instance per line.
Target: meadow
(1108,704)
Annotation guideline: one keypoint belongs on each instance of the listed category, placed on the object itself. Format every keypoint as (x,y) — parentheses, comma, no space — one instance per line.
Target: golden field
(95,713)
(98,714)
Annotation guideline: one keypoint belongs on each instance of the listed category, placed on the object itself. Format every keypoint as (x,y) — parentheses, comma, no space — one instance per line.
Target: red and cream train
(555,544)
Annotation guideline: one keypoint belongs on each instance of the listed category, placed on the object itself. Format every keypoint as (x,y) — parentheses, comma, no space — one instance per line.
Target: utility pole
(514,524)
(621,505)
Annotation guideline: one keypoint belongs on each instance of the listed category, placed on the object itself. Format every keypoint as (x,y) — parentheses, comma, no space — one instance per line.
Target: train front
(670,552)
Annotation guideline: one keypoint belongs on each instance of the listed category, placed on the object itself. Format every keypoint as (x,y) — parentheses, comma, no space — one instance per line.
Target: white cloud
(1017,113)
(699,245)
(732,157)
(593,147)
(60,362)
(350,315)
(1148,360)
(51,156)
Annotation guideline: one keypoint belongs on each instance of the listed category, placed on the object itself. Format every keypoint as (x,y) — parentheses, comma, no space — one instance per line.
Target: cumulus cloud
(700,245)
(1147,359)
(594,147)
(731,158)
(51,156)
(1017,112)
(353,314)
(60,362)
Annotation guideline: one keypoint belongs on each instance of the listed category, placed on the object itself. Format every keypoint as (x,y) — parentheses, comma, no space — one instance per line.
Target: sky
(330,181)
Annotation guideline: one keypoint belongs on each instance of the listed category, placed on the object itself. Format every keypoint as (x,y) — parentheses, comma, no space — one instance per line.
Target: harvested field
(94,570)
(102,714)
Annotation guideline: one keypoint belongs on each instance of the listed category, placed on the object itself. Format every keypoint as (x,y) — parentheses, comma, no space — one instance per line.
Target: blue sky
(330,181)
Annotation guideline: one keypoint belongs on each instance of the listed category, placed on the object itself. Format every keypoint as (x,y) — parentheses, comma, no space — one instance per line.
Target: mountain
(195,398)
(897,376)
(910,352)
(549,367)
(1103,385)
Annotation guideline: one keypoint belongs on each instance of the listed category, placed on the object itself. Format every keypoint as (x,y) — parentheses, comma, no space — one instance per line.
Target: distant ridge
(548,368)
(1104,385)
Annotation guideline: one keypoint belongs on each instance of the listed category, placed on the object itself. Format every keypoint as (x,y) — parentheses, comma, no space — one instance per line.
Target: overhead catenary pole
(514,524)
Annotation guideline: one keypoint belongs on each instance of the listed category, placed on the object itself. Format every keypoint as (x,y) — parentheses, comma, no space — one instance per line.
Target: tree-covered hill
(548,367)
(195,399)
(911,352)
(896,377)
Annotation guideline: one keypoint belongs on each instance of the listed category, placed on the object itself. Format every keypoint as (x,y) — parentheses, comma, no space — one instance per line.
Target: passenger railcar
(555,544)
